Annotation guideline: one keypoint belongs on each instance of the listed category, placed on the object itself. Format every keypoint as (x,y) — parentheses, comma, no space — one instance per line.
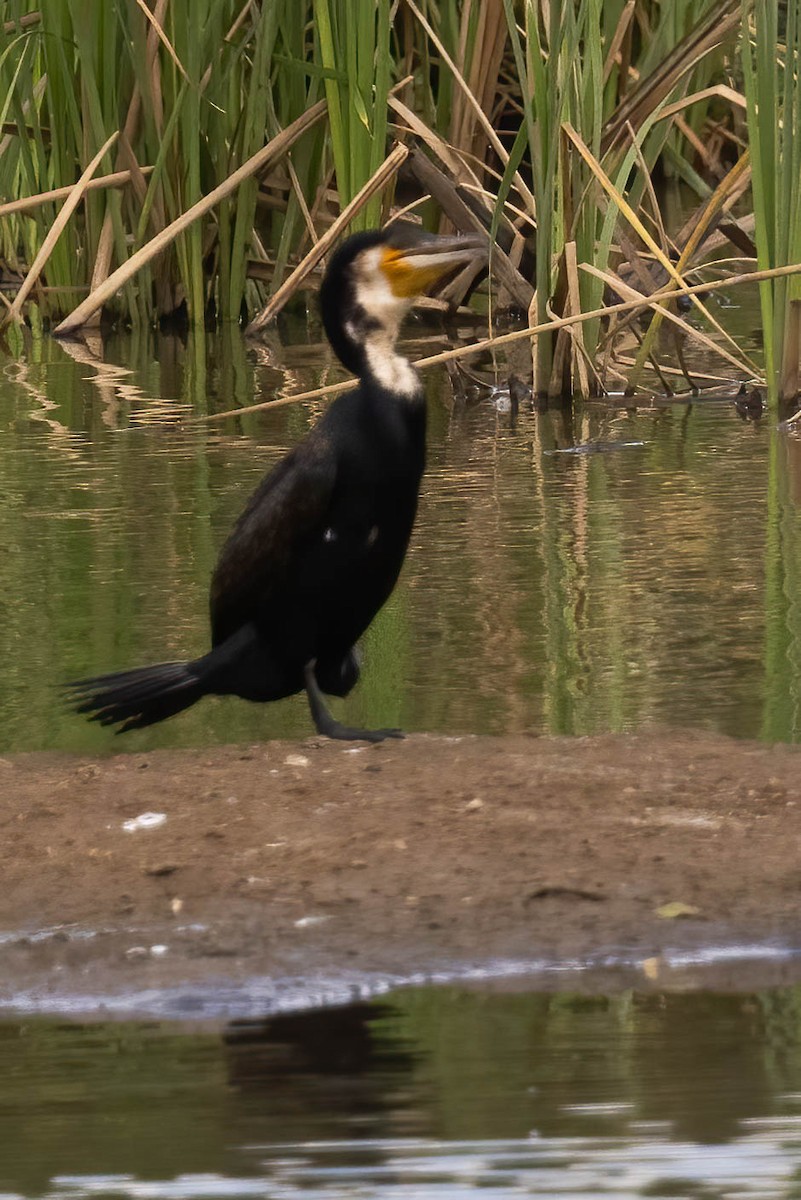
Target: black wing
(289,506)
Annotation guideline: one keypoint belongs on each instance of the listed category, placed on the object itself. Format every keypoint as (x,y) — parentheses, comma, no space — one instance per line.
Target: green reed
(196,90)
(771,60)
(573,62)
(586,99)
(353,43)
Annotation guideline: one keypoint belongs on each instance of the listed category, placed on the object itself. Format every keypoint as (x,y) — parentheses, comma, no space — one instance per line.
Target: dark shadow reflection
(311,1074)
(563,1074)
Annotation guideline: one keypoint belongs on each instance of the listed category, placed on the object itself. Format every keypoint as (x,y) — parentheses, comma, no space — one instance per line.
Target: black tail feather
(134,699)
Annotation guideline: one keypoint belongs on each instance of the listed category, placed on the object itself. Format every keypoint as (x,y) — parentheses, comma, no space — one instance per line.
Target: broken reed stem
(518,335)
(379,180)
(626,292)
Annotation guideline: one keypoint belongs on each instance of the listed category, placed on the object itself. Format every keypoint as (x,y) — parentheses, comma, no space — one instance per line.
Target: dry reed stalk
(257,162)
(650,190)
(483,76)
(433,181)
(105,245)
(11,131)
(576,333)
(154,63)
(713,28)
(704,220)
(301,199)
(483,120)
(724,195)
(627,292)
(698,145)
(636,224)
(376,183)
(616,40)
(721,91)
(166,297)
(165,41)
(238,22)
(23,22)
(102,263)
(443,150)
(532,332)
(27,203)
(54,233)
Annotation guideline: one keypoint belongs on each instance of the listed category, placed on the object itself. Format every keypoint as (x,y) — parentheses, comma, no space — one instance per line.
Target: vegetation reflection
(572,571)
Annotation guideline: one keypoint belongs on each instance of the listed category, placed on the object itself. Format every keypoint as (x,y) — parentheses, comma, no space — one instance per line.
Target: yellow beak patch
(413,274)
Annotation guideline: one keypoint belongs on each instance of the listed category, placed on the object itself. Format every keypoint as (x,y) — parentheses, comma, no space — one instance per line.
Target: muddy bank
(314,859)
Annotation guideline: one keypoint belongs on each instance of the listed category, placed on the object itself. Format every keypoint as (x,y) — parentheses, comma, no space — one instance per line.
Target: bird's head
(371,282)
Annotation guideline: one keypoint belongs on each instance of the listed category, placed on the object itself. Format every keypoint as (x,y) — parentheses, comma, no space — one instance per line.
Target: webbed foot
(328,726)
(348,733)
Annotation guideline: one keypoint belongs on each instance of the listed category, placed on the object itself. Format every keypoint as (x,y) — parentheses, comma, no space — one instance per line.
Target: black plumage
(319,546)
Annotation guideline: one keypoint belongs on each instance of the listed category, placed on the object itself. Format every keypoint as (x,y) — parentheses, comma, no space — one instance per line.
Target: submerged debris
(596,447)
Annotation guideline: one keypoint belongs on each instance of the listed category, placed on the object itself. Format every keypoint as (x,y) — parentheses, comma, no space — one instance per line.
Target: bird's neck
(389,369)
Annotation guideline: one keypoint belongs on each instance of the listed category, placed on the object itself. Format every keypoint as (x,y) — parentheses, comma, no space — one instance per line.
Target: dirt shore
(316,858)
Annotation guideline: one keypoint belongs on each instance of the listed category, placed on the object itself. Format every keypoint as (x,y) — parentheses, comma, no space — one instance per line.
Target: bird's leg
(328,726)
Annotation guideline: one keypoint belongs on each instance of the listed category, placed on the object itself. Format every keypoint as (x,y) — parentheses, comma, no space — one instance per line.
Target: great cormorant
(320,544)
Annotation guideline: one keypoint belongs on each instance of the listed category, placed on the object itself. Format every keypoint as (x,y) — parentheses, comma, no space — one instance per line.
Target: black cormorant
(321,542)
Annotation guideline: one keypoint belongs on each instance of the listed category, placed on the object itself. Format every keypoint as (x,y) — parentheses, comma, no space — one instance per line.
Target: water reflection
(435,1093)
(652,582)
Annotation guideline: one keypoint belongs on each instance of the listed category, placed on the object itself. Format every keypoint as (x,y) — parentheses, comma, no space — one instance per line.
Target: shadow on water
(614,567)
(433,1092)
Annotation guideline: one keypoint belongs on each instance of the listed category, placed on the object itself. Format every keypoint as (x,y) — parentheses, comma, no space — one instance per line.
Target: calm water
(652,582)
(430,1093)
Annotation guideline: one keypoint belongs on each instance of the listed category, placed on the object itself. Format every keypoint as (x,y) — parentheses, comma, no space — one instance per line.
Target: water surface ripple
(646,576)
(424,1093)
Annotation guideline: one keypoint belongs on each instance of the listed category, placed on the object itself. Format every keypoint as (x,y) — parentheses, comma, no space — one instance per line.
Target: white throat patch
(374,293)
(392,370)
